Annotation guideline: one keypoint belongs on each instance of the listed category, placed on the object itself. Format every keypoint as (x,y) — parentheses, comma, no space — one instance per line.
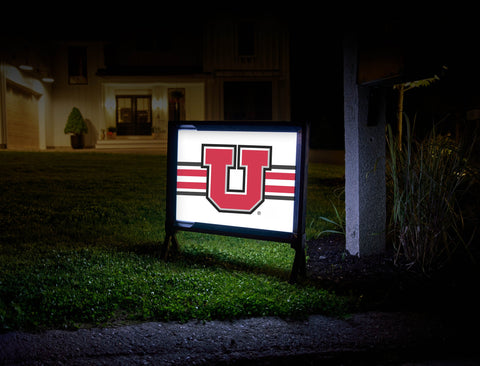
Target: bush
(426,180)
(75,123)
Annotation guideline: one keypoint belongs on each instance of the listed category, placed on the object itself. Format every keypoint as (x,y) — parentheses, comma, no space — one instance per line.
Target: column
(365,191)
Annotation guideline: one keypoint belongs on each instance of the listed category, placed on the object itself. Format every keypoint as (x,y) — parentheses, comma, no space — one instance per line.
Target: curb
(374,338)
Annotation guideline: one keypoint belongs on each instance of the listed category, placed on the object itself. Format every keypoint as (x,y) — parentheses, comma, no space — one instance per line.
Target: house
(218,68)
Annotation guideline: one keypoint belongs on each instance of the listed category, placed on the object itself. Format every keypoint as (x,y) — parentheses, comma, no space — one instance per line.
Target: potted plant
(112,132)
(76,126)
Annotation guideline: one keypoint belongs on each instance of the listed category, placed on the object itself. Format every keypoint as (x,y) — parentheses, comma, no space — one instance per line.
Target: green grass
(80,235)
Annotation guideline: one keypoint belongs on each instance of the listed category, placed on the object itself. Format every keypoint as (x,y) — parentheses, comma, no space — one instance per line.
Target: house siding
(87,98)
(213,61)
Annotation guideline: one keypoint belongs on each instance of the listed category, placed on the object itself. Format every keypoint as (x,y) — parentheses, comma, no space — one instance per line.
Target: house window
(77,65)
(246,39)
(247,101)
(176,104)
(134,115)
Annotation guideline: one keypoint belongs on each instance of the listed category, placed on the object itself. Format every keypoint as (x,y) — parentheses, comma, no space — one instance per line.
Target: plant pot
(77,141)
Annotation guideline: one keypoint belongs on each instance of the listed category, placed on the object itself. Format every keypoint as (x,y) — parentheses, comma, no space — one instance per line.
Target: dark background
(427,39)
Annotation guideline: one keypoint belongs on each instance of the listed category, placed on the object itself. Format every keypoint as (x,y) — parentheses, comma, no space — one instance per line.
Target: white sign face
(237,178)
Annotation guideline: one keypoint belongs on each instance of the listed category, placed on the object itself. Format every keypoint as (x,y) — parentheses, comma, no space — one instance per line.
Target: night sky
(428,39)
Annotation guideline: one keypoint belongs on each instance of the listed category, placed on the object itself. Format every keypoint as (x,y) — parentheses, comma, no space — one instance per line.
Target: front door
(134,115)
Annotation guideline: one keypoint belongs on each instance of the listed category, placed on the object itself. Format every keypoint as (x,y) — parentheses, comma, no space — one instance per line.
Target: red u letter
(220,159)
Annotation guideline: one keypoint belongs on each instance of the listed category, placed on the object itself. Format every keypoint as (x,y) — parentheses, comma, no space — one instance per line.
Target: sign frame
(296,236)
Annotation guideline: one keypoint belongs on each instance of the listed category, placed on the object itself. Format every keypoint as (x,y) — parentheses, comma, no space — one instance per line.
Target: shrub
(75,123)
(426,180)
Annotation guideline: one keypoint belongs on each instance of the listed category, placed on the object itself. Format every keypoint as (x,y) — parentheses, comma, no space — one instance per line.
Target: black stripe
(188,163)
(283,198)
(182,193)
(289,167)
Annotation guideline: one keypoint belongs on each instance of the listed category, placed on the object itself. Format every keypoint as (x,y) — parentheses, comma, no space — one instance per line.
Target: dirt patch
(380,285)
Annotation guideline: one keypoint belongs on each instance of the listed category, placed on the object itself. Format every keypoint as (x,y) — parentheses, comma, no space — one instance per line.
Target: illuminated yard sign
(239,179)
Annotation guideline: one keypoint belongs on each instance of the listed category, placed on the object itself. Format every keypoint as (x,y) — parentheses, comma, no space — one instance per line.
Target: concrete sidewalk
(364,339)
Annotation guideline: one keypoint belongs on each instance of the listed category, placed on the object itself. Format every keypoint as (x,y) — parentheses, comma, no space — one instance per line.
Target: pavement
(372,338)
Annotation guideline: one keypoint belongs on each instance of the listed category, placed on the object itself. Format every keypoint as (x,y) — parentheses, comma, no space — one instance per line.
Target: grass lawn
(80,235)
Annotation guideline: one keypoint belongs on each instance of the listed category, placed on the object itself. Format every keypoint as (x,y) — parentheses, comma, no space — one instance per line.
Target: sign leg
(299,267)
(170,245)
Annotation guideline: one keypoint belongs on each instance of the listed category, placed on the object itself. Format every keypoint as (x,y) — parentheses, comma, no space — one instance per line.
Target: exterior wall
(204,88)
(87,98)
(270,62)
(96,100)
(220,52)
(194,99)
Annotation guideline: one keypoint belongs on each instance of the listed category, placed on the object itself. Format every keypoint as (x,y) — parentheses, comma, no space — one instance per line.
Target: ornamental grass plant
(427,182)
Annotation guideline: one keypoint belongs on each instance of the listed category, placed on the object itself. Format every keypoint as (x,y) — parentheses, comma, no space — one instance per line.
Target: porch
(131,143)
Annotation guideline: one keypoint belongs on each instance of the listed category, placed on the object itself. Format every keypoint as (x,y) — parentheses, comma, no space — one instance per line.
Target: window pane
(143,112)
(77,65)
(124,110)
(246,39)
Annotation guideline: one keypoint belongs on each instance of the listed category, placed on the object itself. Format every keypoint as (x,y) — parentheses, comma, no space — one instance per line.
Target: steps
(133,143)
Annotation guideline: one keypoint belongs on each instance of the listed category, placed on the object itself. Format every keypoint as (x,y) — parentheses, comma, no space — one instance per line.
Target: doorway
(134,115)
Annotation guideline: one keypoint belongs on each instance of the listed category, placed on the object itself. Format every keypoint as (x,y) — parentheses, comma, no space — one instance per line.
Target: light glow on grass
(80,237)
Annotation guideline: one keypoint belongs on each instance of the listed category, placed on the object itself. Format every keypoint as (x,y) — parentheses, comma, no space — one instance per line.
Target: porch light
(26,67)
(48,79)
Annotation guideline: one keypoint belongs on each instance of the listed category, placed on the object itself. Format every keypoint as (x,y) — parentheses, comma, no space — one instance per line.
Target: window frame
(77,65)
(133,108)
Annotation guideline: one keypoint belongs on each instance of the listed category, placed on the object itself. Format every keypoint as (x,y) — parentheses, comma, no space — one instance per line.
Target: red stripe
(203,173)
(275,175)
(192,172)
(270,189)
(279,189)
(191,185)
